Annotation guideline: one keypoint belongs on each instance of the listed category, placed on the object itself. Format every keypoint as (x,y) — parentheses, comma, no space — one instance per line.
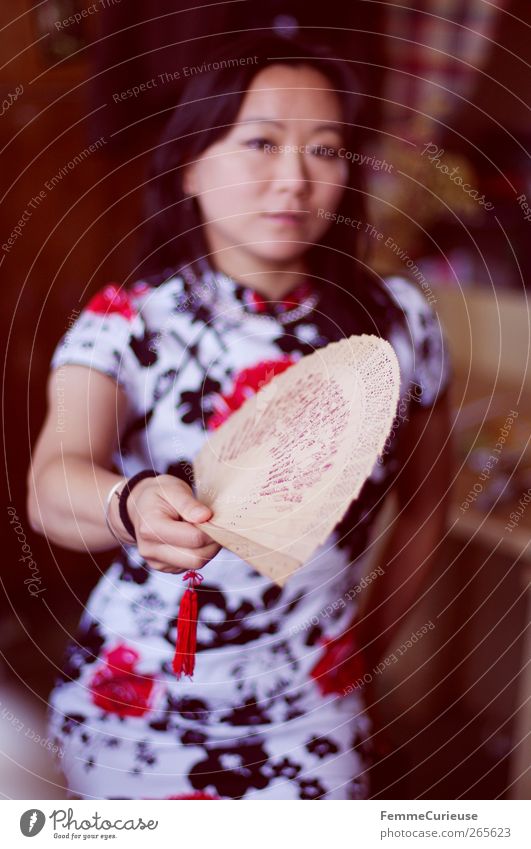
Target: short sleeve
(103,337)
(429,365)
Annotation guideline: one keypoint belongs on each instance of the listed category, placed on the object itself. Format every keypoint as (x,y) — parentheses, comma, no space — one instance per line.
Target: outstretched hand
(164,512)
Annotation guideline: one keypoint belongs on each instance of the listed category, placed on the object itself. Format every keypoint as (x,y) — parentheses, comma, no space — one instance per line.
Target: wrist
(125,493)
(131,500)
(112,514)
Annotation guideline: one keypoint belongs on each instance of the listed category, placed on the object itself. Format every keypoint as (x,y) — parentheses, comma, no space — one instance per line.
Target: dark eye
(259,143)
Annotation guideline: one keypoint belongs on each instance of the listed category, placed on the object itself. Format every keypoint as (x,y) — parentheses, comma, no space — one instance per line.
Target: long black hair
(208,107)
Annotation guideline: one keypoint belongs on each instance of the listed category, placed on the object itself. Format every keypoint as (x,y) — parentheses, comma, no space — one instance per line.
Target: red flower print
(341,664)
(255,300)
(112,299)
(140,288)
(258,303)
(199,794)
(117,688)
(247,383)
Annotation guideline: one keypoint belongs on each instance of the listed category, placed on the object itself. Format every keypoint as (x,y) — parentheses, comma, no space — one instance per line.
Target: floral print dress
(264,716)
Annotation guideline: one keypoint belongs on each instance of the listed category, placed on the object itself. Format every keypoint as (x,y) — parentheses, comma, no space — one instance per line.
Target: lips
(286,217)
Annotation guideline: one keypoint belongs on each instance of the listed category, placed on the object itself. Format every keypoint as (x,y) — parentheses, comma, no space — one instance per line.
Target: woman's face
(264,188)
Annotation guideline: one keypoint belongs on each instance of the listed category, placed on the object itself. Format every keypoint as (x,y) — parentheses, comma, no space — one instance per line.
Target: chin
(280,251)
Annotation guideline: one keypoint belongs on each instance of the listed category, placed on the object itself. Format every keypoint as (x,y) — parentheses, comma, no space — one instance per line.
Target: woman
(249,269)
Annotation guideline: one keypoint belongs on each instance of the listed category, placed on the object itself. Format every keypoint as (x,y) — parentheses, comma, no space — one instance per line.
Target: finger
(188,507)
(183,558)
(173,532)
(164,567)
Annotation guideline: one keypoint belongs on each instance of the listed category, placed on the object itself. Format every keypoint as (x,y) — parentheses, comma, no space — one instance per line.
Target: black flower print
(133,571)
(193,738)
(161,724)
(271,596)
(285,769)
(294,705)
(232,771)
(355,527)
(164,718)
(144,348)
(148,610)
(83,650)
(167,717)
(322,747)
(314,635)
(288,343)
(165,383)
(144,754)
(203,315)
(72,721)
(189,708)
(234,626)
(249,713)
(283,647)
(197,406)
(311,789)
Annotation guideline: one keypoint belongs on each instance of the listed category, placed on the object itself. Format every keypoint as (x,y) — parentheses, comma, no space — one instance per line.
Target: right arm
(70,476)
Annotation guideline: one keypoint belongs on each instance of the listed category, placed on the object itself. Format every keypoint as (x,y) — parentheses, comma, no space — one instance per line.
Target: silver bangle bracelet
(107,507)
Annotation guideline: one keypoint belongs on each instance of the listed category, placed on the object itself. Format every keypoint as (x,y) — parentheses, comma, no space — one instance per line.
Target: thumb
(193,510)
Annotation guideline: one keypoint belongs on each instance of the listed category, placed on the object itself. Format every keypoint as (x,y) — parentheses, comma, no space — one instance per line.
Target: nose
(291,173)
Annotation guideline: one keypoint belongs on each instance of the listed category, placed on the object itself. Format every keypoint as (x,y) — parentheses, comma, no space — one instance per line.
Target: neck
(271,280)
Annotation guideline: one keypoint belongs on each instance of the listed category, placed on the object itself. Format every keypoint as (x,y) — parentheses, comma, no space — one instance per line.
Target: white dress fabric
(261,718)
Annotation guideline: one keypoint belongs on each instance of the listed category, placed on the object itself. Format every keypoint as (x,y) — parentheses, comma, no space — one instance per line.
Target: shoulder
(145,303)
(416,305)
(116,332)
(421,341)
(420,318)
(112,300)
(159,295)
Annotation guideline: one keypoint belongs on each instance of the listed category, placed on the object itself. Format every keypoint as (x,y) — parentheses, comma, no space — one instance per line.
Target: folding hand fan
(282,471)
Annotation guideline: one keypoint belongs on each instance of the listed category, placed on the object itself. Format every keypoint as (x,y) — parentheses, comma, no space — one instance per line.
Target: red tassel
(184,658)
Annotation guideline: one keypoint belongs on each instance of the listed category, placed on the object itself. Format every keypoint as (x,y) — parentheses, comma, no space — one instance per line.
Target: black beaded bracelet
(124,495)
